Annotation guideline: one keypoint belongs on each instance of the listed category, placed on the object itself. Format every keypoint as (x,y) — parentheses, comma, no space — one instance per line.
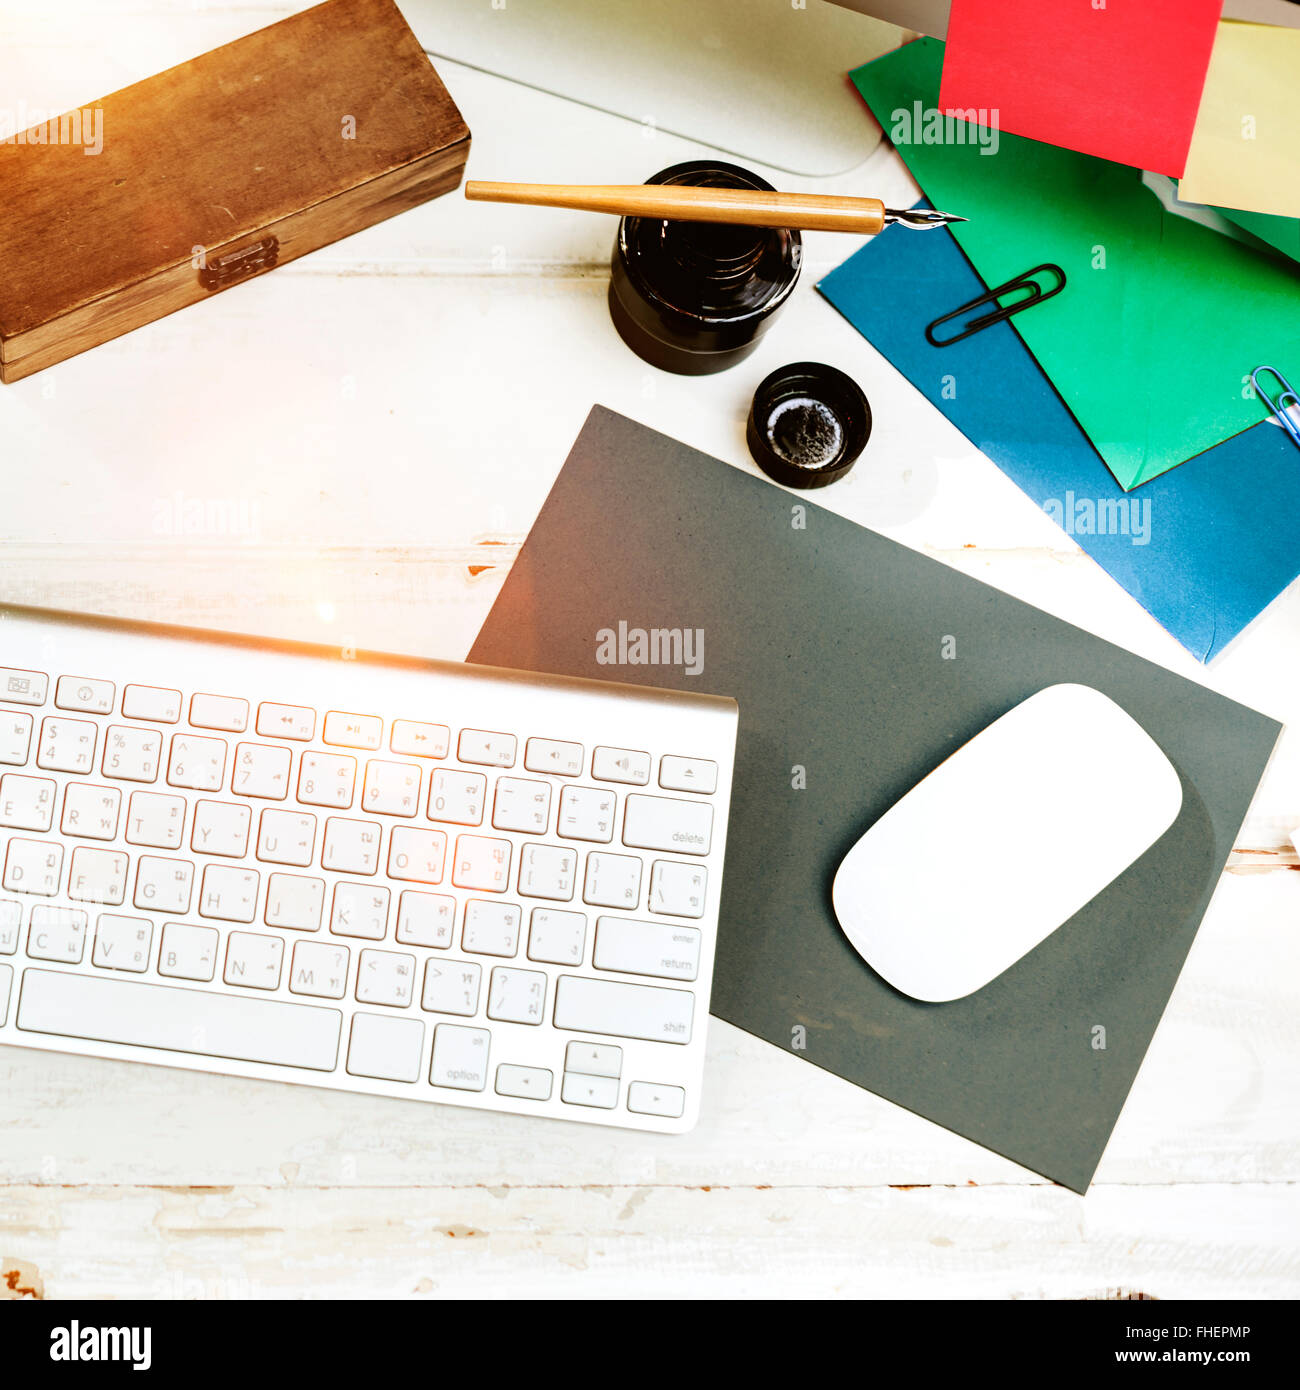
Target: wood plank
(649,1241)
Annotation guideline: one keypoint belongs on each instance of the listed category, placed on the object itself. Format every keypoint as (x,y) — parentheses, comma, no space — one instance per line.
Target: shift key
(623,1011)
(661,822)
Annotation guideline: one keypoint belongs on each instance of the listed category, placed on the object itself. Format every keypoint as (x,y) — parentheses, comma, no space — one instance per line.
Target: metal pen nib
(921,219)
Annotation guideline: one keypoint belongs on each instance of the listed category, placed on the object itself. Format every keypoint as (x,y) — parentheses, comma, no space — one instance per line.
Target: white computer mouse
(1004,842)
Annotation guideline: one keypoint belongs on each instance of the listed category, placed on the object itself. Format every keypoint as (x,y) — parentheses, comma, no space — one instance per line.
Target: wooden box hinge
(230,267)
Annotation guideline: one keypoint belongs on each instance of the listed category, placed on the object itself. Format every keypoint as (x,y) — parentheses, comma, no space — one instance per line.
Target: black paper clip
(1026,281)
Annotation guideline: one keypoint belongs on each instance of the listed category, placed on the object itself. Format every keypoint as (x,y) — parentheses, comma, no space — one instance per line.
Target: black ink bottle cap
(808,424)
(695,297)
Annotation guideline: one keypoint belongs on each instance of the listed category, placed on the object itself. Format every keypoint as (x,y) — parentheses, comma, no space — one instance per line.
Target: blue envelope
(1203,548)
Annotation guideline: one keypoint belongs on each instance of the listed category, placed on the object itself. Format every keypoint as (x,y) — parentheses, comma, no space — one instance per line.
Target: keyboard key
(233,1026)
(622,1010)
(594,1059)
(656,822)
(225,712)
(360,910)
(353,730)
(457,797)
(664,949)
(351,846)
(153,703)
(132,755)
(451,987)
(294,722)
(688,774)
(517,996)
(90,813)
(67,745)
(392,789)
(620,765)
(229,894)
(122,943)
(261,769)
(33,866)
(553,756)
(197,763)
(6,982)
(155,819)
(482,863)
(78,693)
(287,837)
(163,885)
(678,890)
(15,737)
(524,1083)
(647,1098)
(600,1092)
(426,919)
(385,1047)
(327,779)
(57,933)
(547,871)
(587,813)
(221,827)
(98,876)
(294,902)
(522,805)
(613,880)
(491,929)
(416,856)
(188,953)
(385,977)
(419,740)
(23,687)
(487,748)
(319,969)
(253,960)
(27,803)
(460,1057)
(11,918)
(557,937)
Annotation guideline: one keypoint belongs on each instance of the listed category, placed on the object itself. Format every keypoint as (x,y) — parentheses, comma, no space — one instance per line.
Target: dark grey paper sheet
(836,642)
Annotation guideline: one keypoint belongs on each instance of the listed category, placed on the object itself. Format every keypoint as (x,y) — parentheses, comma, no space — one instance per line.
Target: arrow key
(524,1083)
(599,1092)
(646,1098)
(593,1059)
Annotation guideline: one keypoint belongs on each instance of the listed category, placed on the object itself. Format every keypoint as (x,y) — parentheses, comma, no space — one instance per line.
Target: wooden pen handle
(737,206)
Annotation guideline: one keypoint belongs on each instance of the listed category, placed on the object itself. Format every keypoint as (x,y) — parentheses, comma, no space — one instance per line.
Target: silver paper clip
(1284,403)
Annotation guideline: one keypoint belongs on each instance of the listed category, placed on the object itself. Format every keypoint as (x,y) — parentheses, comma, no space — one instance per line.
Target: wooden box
(214,172)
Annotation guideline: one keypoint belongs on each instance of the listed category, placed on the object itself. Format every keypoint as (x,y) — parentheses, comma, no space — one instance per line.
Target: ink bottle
(696,297)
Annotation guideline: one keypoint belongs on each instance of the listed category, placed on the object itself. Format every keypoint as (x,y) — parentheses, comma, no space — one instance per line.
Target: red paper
(1120,79)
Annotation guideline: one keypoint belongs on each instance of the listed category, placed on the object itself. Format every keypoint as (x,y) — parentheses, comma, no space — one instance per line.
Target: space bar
(180,1020)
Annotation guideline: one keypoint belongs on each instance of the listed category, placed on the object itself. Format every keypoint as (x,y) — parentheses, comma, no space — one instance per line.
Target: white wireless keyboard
(401,877)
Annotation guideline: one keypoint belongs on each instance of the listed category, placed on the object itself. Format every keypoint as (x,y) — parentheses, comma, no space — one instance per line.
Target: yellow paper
(1246,148)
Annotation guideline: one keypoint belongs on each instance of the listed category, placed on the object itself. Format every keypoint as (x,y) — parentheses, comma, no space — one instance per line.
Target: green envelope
(1153,340)
(1282,232)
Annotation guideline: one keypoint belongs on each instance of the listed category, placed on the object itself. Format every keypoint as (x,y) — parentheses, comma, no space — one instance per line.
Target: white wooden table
(352,450)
